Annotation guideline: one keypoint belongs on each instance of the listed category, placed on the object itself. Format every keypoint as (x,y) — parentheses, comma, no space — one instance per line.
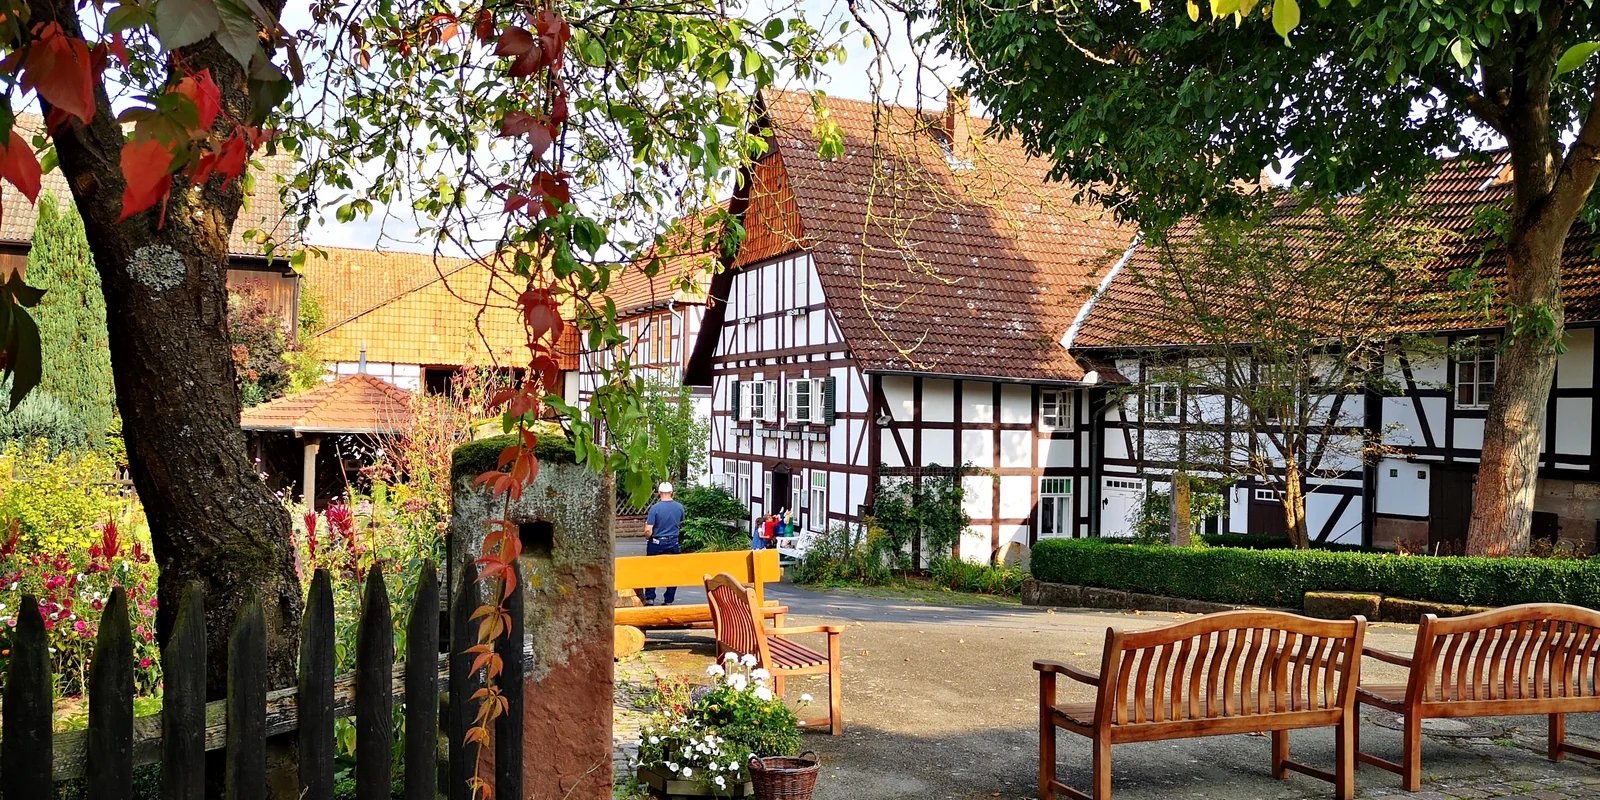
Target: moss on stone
(475,458)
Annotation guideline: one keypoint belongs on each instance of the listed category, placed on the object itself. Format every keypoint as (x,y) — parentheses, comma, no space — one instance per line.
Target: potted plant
(700,740)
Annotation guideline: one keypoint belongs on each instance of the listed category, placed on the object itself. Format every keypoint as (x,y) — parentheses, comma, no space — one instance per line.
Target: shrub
(259,345)
(707,734)
(475,458)
(41,417)
(930,508)
(74,346)
(713,520)
(845,554)
(965,576)
(1252,542)
(1280,578)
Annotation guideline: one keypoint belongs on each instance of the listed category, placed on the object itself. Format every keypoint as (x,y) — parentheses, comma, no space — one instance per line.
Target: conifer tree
(71,318)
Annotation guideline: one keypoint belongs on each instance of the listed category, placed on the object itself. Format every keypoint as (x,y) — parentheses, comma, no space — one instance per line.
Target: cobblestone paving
(1545,789)
(633,677)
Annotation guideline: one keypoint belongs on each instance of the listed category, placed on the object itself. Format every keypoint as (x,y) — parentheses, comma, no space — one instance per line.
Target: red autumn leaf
(119,48)
(540,314)
(145,165)
(204,93)
(526,64)
(549,371)
(558,108)
(99,55)
(541,137)
(517,123)
(514,41)
(20,166)
(58,68)
(55,119)
(483,28)
(515,202)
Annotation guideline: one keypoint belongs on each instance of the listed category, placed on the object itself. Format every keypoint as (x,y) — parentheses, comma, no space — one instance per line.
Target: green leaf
(1575,56)
(24,355)
(126,17)
(238,31)
(180,23)
(1285,17)
(1224,8)
(1461,52)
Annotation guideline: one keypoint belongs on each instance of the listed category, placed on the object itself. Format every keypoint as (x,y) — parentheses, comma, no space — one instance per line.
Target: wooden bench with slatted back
(1539,658)
(741,630)
(1233,672)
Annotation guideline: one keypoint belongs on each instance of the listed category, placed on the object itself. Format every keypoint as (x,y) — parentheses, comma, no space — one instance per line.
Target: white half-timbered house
(1421,490)
(897,311)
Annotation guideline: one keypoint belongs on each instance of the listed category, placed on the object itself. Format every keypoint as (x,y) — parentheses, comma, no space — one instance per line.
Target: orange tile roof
(973,263)
(262,210)
(359,403)
(412,308)
(688,255)
(1127,315)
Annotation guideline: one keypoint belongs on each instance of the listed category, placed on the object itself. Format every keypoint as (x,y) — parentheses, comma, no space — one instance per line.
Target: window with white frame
(1055,408)
(817,518)
(1055,508)
(752,293)
(741,478)
(1475,373)
(1161,401)
(802,400)
(755,400)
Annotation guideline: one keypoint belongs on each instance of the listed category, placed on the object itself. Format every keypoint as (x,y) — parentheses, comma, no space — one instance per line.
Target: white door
(1120,499)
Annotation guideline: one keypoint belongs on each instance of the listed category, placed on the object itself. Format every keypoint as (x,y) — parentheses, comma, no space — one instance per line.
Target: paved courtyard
(940,702)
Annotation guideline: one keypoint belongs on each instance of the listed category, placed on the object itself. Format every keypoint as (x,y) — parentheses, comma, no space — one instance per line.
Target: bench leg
(1047,736)
(1280,755)
(1102,769)
(1344,754)
(835,686)
(1558,737)
(1411,754)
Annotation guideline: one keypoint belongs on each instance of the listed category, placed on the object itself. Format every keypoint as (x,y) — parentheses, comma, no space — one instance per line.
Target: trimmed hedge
(1253,542)
(1280,578)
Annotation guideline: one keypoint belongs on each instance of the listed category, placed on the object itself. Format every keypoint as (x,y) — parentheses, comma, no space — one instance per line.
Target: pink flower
(80,626)
(144,663)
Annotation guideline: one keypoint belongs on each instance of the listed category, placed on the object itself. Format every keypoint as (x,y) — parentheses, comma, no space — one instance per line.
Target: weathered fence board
(31,758)
(462,683)
(315,701)
(110,768)
(246,736)
(183,707)
(374,699)
(27,709)
(508,728)
(422,694)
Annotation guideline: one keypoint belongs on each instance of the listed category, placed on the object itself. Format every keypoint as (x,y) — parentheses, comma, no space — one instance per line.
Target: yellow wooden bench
(753,568)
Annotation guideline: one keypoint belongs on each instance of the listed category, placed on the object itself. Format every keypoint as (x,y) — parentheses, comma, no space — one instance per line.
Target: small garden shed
(353,416)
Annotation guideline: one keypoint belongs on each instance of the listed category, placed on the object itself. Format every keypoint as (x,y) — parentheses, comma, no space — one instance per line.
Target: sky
(395,228)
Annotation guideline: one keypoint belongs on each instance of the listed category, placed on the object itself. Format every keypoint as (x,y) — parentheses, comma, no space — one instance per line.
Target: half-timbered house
(1420,489)
(896,309)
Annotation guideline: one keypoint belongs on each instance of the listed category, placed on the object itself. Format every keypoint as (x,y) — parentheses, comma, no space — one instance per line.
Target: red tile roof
(359,403)
(967,264)
(262,210)
(687,257)
(1454,199)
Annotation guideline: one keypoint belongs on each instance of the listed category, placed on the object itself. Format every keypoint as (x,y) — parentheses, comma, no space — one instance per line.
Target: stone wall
(565,522)
(1576,505)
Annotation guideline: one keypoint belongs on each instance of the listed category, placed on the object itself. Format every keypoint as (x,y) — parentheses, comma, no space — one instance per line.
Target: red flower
(144,663)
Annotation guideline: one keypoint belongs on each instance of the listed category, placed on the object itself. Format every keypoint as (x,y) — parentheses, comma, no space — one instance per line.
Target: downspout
(1097,411)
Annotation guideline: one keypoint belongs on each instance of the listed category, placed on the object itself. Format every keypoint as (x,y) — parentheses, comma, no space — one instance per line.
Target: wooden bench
(741,630)
(1233,672)
(1540,658)
(754,568)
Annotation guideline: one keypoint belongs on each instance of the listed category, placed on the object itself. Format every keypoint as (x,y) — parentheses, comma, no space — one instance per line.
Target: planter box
(675,788)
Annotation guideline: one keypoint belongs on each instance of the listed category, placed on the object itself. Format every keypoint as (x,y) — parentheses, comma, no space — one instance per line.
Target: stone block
(1586,491)
(1386,531)
(1014,554)
(1341,605)
(1093,597)
(1039,593)
(1397,609)
(1148,602)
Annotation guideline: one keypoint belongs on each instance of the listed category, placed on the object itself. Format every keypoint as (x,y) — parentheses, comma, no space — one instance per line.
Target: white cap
(665,487)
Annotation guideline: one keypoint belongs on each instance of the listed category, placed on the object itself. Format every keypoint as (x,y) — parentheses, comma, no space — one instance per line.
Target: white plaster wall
(1016,404)
(977,448)
(899,396)
(938,401)
(1403,487)
(938,447)
(977,491)
(1016,449)
(977,402)
(1056,452)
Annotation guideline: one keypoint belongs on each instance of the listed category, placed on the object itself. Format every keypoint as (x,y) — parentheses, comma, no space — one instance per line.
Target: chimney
(958,123)
(361,367)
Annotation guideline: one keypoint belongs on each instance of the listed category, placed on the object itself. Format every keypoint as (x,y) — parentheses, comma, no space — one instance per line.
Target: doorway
(1450,509)
(782,490)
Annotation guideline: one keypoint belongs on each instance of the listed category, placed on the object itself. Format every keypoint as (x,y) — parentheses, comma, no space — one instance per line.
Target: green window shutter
(734,399)
(827,401)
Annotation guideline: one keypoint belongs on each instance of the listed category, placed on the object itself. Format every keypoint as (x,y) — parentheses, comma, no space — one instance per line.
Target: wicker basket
(782,778)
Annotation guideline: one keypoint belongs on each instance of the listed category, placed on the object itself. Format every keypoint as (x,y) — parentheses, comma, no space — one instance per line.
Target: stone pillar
(564,520)
(308,480)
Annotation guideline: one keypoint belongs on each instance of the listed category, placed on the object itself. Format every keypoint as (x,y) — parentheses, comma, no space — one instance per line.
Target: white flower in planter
(727,658)
(737,681)
(671,767)
(687,772)
(763,694)
(748,660)
(721,784)
(655,740)
(714,670)
(805,698)
(759,674)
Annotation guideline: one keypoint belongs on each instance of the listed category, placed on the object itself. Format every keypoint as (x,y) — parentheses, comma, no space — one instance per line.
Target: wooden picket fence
(32,759)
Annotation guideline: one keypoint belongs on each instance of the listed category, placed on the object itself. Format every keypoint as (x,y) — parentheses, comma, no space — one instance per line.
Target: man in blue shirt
(663,526)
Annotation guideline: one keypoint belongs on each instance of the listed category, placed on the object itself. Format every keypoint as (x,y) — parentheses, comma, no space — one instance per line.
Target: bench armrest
(828,629)
(1386,656)
(1068,670)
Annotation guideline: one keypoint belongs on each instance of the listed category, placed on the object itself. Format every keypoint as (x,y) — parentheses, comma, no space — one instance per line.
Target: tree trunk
(1294,506)
(1502,508)
(1182,528)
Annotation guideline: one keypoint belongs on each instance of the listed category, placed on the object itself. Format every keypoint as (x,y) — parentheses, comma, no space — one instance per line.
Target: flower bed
(1280,578)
